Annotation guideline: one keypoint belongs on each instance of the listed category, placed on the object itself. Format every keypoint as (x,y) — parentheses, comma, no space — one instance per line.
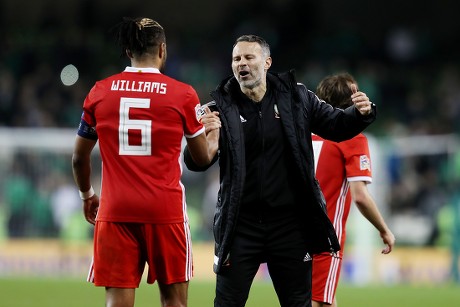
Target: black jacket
(301,113)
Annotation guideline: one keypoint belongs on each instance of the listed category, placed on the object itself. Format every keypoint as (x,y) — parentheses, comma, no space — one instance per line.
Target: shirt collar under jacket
(152,70)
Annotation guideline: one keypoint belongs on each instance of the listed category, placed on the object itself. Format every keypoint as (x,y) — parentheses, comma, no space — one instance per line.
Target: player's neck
(145,63)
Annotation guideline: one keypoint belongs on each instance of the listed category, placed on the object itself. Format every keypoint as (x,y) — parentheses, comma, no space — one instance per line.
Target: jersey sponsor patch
(364,162)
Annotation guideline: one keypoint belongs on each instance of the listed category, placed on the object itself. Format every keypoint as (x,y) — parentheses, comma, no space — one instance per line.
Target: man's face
(249,64)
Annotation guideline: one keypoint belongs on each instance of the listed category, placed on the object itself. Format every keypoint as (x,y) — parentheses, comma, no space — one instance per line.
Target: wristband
(86,195)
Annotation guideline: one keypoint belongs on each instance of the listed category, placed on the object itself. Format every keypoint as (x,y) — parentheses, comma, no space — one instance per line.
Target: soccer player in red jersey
(139,117)
(343,171)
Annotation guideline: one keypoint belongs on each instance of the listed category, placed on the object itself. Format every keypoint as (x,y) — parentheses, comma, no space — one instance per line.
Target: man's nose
(242,62)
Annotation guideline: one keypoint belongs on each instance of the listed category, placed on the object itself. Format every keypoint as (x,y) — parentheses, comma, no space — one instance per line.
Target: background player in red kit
(140,117)
(343,171)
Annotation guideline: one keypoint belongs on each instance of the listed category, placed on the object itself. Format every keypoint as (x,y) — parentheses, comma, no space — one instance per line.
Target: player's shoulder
(361,137)
(107,81)
(180,87)
(356,144)
(174,81)
(101,87)
(327,145)
(358,139)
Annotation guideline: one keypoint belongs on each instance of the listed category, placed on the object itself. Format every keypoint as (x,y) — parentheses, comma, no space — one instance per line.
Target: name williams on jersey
(138,86)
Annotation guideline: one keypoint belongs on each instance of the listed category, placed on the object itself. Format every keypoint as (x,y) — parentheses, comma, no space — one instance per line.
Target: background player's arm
(81,168)
(370,211)
(81,162)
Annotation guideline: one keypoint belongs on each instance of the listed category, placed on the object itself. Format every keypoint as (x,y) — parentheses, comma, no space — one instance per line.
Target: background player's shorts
(325,277)
(121,251)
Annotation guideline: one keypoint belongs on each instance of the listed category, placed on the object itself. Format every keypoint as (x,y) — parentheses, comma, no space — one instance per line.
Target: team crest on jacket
(364,163)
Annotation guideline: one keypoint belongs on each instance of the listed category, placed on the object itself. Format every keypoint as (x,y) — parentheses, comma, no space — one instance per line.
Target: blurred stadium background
(403,54)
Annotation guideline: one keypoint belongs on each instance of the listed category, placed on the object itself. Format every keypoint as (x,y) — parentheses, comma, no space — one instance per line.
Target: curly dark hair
(139,35)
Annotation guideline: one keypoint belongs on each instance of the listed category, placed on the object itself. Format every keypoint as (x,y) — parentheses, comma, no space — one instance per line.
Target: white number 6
(145,126)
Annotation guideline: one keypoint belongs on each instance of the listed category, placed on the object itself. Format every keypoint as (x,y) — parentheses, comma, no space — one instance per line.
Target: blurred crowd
(416,88)
(414,80)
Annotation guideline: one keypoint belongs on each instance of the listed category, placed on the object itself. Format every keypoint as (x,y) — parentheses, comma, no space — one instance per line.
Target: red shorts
(121,251)
(325,277)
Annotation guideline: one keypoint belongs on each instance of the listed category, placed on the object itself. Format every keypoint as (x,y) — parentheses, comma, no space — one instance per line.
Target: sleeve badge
(364,163)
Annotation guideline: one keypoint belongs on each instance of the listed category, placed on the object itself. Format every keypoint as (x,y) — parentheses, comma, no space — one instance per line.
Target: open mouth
(244,73)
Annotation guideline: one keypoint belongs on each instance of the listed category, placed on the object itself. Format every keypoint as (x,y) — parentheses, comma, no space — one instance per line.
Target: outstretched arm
(370,211)
(337,124)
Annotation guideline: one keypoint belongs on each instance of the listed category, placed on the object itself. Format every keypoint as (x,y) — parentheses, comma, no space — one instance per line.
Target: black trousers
(278,240)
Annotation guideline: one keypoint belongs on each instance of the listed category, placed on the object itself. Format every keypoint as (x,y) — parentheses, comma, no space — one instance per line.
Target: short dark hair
(251,38)
(335,90)
(139,35)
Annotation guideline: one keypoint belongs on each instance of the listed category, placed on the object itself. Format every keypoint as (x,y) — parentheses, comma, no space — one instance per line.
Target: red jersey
(336,164)
(141,117)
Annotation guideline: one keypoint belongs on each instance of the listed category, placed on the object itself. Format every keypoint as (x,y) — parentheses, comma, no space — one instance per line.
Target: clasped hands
(210,120)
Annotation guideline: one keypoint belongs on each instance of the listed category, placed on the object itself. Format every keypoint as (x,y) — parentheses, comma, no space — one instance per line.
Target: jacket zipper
(261,162)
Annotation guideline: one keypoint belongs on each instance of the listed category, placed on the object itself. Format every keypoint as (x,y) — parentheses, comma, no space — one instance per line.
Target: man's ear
(162,50)
(129,53)
(268,63)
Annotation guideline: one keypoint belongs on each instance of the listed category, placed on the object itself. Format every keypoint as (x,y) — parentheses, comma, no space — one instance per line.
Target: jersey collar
(142,69)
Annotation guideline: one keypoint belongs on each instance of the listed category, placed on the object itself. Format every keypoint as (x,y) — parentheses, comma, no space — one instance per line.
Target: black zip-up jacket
(301,113)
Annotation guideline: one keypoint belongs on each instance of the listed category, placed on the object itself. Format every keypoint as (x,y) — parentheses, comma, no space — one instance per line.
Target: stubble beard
(249,84)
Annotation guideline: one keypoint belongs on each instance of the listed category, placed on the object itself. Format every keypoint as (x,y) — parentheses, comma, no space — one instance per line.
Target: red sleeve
(88,106)
(192,127)
(357,159)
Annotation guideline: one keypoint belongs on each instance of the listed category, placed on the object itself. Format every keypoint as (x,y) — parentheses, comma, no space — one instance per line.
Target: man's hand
(361,101)
(90,207)
(388,239)
(210,120)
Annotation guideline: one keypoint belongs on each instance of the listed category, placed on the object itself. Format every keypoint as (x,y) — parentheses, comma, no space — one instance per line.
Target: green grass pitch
(35,292)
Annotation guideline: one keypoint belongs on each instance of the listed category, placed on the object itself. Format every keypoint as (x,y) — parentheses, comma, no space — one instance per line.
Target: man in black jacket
(270,208)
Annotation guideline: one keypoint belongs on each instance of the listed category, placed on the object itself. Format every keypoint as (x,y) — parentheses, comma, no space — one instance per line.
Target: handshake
(209,118)
(201,110)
